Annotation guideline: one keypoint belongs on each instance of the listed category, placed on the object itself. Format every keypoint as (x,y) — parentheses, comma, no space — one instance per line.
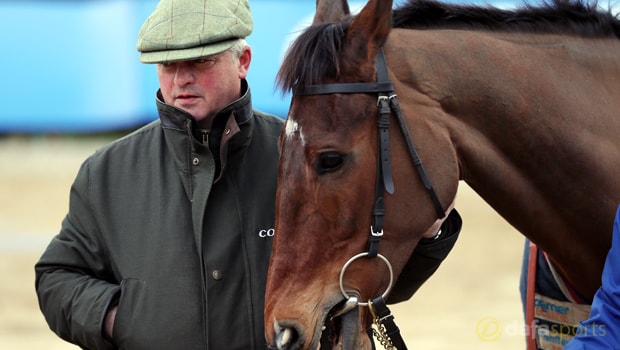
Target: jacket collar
(231,129)
(175,118)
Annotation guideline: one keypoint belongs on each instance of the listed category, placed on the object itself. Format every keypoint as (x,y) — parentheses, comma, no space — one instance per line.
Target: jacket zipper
(205,137)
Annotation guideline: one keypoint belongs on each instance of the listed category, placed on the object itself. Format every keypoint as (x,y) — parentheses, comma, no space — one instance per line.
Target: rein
(387,104)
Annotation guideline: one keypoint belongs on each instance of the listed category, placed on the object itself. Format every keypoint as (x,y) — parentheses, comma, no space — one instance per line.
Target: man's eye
(208,62)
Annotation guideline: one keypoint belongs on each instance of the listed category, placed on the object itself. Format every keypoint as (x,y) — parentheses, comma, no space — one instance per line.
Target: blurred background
(72,66)
(72,82)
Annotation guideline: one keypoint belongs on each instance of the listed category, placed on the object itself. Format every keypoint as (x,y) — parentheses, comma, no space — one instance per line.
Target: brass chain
(379,331)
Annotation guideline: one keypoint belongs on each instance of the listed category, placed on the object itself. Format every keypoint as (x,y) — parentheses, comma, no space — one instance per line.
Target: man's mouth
(186,98)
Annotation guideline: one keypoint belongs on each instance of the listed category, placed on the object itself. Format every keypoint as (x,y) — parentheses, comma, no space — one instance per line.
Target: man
(167,240)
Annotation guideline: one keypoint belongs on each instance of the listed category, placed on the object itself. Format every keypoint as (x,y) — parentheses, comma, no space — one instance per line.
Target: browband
(344,88)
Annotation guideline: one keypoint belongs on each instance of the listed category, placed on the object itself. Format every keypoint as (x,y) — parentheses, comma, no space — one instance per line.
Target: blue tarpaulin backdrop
(72,66)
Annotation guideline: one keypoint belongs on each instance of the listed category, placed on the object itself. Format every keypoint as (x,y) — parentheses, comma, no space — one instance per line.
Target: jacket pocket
(128,323)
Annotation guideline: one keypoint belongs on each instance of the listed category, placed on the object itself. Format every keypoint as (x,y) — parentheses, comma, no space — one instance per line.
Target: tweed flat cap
(188,29)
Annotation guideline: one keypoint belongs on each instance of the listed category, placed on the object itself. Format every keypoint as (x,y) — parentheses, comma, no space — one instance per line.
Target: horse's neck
(535,125)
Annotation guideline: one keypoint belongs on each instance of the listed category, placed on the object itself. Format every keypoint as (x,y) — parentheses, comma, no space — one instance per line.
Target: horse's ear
(370,28)
(331,11)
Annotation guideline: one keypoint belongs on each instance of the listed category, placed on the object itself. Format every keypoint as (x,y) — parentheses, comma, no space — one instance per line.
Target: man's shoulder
(139,140)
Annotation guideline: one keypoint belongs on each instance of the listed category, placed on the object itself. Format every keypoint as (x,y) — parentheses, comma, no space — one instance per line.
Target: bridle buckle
(376,233)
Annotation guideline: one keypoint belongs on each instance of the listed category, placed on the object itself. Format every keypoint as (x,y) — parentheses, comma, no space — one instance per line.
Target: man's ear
(244,62)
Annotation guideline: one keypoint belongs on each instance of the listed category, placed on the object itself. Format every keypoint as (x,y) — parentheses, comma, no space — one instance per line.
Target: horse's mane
(575,17)
(320,44)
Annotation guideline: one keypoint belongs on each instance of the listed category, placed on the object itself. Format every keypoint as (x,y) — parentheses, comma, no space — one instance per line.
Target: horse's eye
(329,162)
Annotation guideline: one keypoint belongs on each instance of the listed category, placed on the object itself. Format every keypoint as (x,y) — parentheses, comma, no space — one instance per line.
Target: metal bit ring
(361,255)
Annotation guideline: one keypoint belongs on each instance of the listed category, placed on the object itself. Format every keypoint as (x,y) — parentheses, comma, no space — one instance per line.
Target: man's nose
(183,75)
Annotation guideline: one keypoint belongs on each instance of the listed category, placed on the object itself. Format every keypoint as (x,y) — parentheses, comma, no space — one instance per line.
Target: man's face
(203,86)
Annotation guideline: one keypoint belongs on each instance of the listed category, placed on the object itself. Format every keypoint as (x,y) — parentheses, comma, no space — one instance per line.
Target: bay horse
(523,105)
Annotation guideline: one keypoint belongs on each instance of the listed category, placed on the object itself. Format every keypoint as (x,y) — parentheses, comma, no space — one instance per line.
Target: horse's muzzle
(340,330)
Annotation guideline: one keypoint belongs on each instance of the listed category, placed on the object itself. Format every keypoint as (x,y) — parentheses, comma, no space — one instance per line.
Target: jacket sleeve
(425,260)
(600,330)
(74,282)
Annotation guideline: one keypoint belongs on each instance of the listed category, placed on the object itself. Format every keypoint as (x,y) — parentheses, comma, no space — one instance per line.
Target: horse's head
(326,186)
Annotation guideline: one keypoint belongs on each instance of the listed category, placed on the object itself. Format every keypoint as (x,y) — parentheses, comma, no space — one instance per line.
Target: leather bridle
(387,105)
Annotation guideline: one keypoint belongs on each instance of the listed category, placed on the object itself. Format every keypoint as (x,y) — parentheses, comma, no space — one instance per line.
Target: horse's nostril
(286,337)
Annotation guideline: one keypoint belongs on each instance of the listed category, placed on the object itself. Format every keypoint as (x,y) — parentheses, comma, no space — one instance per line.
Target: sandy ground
(471,303)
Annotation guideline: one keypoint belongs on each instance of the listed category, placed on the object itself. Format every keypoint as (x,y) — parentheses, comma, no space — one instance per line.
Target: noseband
(386,104)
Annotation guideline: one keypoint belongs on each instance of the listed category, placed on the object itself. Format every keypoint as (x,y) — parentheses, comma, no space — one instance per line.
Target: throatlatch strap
(441,213)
